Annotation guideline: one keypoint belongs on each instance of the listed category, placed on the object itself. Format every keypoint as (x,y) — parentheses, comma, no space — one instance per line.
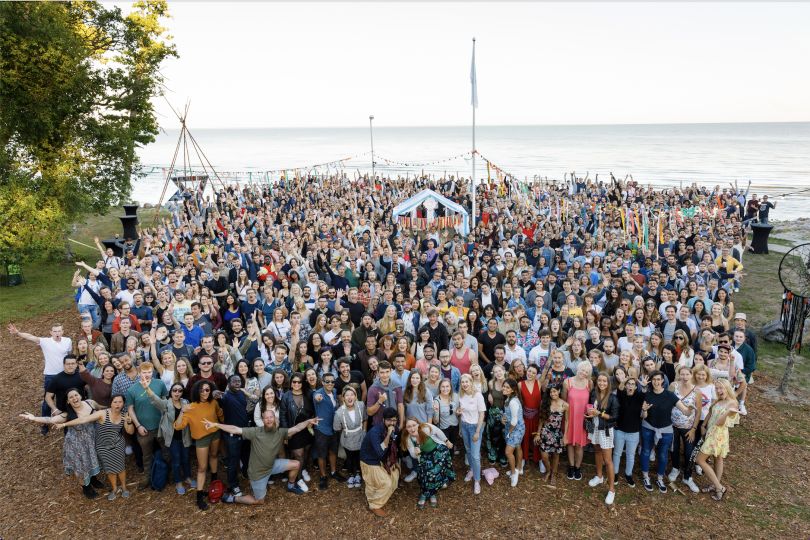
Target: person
(550,437)
(145,416)
(79,456)
(656,429)
(234,405)
(177,441)
(445,407)
(110,446)
(576,392)
(325,403)
(350,422)
(265,444)
(429,447)
(99,388)
(203,407)
(379,463)
(514,429)
(764,208)
(723,415)
(602,413)
(685,427)
(384,393)
(531,393)
(628,425)
(54,350)
(58,385)
(496,446)
(296,407)
(472,410)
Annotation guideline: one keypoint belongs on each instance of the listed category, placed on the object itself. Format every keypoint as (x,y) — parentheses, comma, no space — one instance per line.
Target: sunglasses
(296,382)
(177,390)
(206,363)
(205,390)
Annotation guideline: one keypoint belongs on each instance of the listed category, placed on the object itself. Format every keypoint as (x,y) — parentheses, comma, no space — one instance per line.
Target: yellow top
(195,414)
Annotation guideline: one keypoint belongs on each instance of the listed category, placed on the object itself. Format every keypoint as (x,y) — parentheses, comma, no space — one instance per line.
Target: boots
(201,504)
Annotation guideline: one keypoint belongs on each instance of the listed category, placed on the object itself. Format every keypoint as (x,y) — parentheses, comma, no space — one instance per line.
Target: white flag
(474,80)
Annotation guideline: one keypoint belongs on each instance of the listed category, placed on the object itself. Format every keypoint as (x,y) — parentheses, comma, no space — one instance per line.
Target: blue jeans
(238,450)
(629,443)
(661,450)
(92,310)
(473,448)
(181,466)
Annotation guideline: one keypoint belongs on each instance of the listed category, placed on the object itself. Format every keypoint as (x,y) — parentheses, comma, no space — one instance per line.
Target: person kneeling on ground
(379,463)
(265,443)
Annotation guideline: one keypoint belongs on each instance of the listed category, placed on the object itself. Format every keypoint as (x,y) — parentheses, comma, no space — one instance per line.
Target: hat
(740,316)
(389,412)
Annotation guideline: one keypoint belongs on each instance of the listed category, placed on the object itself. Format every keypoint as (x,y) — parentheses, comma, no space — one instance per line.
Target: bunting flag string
(388,161)
(423,224)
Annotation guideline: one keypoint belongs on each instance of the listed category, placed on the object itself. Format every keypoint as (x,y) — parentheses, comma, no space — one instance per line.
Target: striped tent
(452,210)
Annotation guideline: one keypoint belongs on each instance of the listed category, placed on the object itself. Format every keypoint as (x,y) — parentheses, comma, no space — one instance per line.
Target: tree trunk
(788,371)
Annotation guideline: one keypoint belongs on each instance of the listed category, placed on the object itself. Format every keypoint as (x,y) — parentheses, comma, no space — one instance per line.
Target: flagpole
(474,103)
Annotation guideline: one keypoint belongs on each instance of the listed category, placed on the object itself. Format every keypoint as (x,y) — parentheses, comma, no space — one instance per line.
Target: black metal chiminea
(129,222)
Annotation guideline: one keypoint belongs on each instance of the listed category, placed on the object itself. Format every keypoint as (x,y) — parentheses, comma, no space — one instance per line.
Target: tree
(76,84)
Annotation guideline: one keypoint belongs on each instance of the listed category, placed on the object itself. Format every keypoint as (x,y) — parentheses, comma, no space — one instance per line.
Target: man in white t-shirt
(513,350)
(54,350)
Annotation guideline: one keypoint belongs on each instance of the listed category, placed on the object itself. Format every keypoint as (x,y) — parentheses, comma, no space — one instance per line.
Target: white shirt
(54,353)
(539,352)
(471,405)
(518,353)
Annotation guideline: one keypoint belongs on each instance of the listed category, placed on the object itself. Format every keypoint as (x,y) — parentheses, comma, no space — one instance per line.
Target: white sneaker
(692,485)
(699,470)
(595,481)
(673,474)
(514,479)
(743,410)
(477,488)
(609,498)
(411,477)
(305,476)
(350,482)
(542,468)
(303,486)
(128,450)
(469,476)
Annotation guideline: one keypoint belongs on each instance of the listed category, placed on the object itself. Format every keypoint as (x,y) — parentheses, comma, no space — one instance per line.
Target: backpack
(159,475)
(215,491)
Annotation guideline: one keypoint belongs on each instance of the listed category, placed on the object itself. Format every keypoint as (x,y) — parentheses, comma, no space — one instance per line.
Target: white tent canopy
(430,199)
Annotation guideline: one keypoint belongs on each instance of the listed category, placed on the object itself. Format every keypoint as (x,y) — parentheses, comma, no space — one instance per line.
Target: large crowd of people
(299,333)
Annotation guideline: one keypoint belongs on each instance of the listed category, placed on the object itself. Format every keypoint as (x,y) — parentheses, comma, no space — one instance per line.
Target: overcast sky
(332,64)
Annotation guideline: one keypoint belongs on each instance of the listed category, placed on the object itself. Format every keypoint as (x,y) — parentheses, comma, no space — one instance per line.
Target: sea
(774,157)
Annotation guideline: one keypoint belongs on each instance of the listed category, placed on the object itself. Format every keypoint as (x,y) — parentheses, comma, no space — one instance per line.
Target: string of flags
(421,164)
(423,224)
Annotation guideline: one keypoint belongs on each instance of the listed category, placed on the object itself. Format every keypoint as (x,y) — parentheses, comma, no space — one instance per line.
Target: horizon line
(787,122)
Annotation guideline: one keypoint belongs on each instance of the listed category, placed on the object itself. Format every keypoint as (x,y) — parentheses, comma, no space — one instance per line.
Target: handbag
(590,425)
(696,450)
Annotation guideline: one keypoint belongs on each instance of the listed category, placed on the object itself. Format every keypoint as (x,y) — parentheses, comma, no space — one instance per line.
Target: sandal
(709,489)
(433,502)
(718,495)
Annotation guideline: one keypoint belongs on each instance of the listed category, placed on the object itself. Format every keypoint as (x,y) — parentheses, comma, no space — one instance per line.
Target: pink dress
(577,403)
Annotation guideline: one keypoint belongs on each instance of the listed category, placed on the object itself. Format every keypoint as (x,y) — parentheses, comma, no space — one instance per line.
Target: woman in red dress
(531,393)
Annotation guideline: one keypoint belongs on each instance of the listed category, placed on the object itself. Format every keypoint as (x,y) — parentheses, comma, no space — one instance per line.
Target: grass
(47,283)
(760,298)
(780,241)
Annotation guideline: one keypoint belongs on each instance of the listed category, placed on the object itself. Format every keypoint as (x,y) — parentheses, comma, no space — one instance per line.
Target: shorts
(603,438)
(326,443)
(205,442)
(259,487)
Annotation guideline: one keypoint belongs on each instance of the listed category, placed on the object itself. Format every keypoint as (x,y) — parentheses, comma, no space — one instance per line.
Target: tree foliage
(76,84)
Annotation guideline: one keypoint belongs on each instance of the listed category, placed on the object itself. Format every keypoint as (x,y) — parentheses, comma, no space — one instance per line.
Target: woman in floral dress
(723,415)
(553,413)
(427,444)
